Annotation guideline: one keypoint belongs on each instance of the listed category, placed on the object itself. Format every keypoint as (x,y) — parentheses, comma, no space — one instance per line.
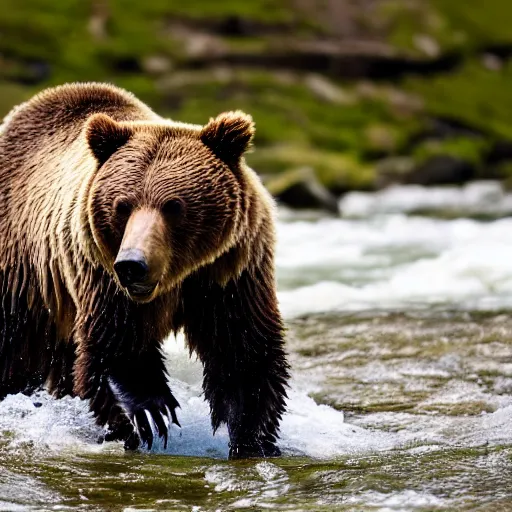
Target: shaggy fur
(86,169)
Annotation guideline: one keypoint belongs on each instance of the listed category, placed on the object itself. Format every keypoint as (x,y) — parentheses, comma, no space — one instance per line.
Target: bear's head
(165,198)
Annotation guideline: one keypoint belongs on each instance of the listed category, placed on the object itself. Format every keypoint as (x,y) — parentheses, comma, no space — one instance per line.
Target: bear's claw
(153,420)
(147,428)
(171,416)
(150,416)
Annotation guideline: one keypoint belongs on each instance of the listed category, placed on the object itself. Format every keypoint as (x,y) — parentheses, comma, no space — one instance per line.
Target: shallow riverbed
(400,340)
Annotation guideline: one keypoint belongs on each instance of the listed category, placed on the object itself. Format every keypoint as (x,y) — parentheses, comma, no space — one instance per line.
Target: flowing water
(400,340)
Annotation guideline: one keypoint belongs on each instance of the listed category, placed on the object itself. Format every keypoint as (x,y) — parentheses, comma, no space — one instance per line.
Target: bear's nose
(131,267)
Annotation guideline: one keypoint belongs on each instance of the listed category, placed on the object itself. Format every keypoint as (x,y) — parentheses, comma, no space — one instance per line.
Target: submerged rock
(442,170)
(436,170)
(300,188)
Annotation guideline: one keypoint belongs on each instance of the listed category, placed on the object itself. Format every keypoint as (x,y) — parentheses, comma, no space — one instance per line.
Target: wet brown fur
(67,158)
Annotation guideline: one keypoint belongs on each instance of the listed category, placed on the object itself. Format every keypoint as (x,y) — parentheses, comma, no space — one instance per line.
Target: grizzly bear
(119,227)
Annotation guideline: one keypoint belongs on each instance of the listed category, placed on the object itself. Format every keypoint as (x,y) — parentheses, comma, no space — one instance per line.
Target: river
(400,340)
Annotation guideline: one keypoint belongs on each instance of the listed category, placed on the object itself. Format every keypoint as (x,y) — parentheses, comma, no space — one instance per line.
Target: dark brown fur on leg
(27,338)
(238,334)
(120,368)
(60,378)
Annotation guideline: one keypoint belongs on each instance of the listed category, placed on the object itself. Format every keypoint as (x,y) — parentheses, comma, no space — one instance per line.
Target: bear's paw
(151,416)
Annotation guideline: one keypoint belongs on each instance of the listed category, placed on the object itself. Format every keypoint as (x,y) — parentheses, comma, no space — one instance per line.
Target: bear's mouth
(140,292)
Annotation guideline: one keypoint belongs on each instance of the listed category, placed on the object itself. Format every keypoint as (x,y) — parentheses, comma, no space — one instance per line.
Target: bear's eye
(123,208)
(174,207)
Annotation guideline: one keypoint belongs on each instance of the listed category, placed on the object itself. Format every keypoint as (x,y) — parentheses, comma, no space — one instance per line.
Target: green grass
(472,95)
(451,24)
(338,171)
(471,150)
(45,43)
(288,111)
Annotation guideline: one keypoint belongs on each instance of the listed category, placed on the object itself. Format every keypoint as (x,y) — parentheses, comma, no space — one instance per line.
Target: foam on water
(41,420)
(307,428)
(485,197)
(393,260)
(398,502)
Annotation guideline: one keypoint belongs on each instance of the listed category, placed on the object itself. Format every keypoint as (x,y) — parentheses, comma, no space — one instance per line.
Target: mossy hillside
(451,25)
(296,128)
(474,95)
(63,34)
(341,129)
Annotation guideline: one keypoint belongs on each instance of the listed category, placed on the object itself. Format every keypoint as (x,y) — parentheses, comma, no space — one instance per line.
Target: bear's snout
(141,260)
(132,270)
(131,267)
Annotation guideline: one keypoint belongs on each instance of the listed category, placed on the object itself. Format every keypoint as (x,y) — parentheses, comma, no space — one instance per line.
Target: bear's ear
(229,135)
(105,136)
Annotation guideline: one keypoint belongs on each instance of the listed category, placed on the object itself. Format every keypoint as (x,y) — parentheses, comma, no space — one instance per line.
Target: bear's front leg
(140,385)
(238,334)
(120,369)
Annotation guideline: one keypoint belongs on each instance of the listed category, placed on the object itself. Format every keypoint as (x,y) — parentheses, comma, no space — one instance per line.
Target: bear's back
(44,157)
(65,108)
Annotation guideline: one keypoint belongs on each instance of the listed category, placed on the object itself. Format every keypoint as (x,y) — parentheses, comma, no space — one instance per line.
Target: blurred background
(384,128)
(346,94)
